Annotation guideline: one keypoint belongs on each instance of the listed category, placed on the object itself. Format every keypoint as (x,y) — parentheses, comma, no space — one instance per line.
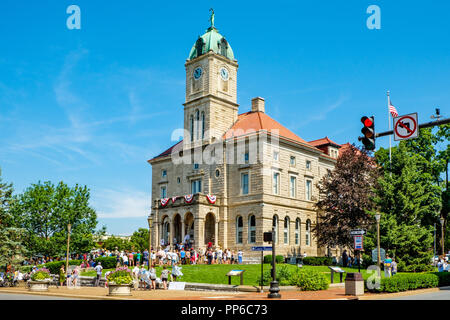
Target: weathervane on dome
(212,17)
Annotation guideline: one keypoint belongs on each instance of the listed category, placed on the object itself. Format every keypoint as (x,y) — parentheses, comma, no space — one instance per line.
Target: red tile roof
(323,141)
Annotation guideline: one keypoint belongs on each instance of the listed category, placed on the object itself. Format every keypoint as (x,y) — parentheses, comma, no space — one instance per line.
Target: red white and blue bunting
(188,198)
(174,199)
(164,201)
(212,199)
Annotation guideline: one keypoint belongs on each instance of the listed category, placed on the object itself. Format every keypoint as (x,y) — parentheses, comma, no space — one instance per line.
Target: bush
(120,276)
(403,282)
(107,262)
(56,265)
(444,278)
(283,276)
(41,274)
(268,259)
(416,268)
(309,280)
(318,261)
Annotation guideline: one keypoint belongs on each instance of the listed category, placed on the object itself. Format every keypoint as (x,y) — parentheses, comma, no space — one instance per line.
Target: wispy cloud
(125,203)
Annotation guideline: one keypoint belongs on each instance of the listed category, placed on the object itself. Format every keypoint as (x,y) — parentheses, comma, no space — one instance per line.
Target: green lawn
(215,273)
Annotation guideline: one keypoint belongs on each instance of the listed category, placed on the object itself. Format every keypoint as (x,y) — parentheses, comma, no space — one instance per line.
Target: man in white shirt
(135,272)
(98,268)
(219,255)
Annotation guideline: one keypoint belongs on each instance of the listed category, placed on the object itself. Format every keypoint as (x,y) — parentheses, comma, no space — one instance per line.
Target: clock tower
(211,74)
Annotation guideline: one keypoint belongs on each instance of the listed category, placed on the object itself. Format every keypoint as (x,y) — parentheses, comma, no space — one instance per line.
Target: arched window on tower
(252,229)
(239,225)
(197,124)
(191,120)
(203,125)
(199,46)
(297,231)
(223,44)
(286,230)
(308,232)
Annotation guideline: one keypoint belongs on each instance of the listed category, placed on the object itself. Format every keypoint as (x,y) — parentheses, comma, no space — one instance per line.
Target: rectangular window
(196,166)
(275,155)
(308,165)
(308,189)
(163,192)
(276,183)
(246,157)
(164,173)
(293,186)
(292,161)
(244,183)
(196,186)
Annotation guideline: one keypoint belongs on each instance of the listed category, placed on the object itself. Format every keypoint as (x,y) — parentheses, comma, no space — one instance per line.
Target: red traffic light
(367,121)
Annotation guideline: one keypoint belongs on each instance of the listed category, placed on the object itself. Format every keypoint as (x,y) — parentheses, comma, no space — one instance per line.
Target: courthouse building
(234,176)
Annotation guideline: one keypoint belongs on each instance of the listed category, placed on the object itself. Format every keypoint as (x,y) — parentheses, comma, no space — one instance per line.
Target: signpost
(406,127)
(357,232)
(262,249)
(358,245)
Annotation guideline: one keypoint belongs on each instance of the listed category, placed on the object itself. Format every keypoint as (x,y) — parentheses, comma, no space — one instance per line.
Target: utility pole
(274,289)
(377,217)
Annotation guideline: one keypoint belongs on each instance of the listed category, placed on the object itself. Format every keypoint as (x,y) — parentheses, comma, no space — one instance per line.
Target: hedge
(268,258)
(444,278)
(107,262)
(309,280)
(403,282)
(318,261)
(55,266)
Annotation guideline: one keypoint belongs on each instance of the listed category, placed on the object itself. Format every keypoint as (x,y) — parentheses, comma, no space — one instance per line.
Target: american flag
(392,110)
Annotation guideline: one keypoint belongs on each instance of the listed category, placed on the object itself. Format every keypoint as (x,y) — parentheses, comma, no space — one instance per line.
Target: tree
(139,239)
(11,247)
(114,242)
(45,210)
(345,198)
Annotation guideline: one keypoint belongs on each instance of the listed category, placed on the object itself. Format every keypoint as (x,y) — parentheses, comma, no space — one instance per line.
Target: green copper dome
(211,40)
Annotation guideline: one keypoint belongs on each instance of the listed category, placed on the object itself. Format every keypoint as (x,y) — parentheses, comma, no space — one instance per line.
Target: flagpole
(389,119)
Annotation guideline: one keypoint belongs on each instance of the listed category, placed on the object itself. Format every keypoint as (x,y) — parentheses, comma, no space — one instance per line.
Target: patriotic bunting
(212,199)
(164,201)
(188,198)
(174,199)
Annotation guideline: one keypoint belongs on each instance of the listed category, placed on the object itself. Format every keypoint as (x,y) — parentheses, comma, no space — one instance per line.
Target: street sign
(358,232)
(406,127)
(375,254)
(261,248)
(358,242)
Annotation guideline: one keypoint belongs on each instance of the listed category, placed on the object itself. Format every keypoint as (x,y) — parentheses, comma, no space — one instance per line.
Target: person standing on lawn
(146,256)
(152,275)
(164,277)
(387,266)
(240,253)
(98,269)
(393,267)
(62,276)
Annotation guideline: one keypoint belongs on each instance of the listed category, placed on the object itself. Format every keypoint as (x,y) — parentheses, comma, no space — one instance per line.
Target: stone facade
(257,185)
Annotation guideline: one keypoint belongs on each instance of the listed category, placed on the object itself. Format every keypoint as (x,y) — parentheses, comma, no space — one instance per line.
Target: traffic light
(369,132)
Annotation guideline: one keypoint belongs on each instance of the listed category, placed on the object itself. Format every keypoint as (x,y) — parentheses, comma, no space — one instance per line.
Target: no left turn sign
(406,127)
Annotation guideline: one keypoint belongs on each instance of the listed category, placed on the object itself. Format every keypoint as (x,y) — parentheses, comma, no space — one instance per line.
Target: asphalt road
(443,294)
(16,296)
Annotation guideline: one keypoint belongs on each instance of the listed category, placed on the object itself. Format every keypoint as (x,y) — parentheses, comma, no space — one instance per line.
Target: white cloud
(125,203)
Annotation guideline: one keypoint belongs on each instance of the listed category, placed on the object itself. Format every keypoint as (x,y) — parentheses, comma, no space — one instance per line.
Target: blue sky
(90,106)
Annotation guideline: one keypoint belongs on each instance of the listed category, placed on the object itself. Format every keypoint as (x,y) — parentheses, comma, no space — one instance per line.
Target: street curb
(402,294)
(64,295)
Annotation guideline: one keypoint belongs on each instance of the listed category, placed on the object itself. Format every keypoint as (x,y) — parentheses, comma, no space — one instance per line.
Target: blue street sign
(261,248)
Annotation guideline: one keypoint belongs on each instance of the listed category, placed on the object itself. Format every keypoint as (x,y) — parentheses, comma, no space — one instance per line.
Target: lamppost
(274,289)
(442,234)
(150,226)
(69,226)
(377,218)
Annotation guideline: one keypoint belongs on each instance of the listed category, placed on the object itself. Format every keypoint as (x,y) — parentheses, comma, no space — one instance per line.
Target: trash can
(354,284)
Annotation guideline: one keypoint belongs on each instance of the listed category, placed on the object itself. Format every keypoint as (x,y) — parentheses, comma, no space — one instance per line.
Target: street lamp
(150,226)
(69,226)
(274,289)
(442,234)
(377,218)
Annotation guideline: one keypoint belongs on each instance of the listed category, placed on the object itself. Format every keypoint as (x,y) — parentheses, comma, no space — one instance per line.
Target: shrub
(309,280)
(41,274)
(107,262)
(403,282)
(283,276)
(268,259)
(120,276)
(444,278)
(318,261)
(416,268)
(56,265)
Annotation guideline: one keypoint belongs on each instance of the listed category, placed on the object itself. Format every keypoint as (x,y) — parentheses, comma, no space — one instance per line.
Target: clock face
(198,73)
(224,74)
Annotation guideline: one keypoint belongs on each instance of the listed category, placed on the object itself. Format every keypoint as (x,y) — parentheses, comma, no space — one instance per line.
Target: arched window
(286,230)
(191,120)
(239,225)
(203,125)
(197,124)
(275,225)
(199,46)
(308,232)
(223,44)
(297,231)
(252,229)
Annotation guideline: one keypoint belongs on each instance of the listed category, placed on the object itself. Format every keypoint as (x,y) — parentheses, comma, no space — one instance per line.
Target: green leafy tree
(45,210)
(11,247)
(114,242)
(139,239)
(345,198)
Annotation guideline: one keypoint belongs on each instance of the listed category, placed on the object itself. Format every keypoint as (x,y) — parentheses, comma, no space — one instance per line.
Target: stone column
(199,232)
(216,234)
(183,233)
(171,233)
